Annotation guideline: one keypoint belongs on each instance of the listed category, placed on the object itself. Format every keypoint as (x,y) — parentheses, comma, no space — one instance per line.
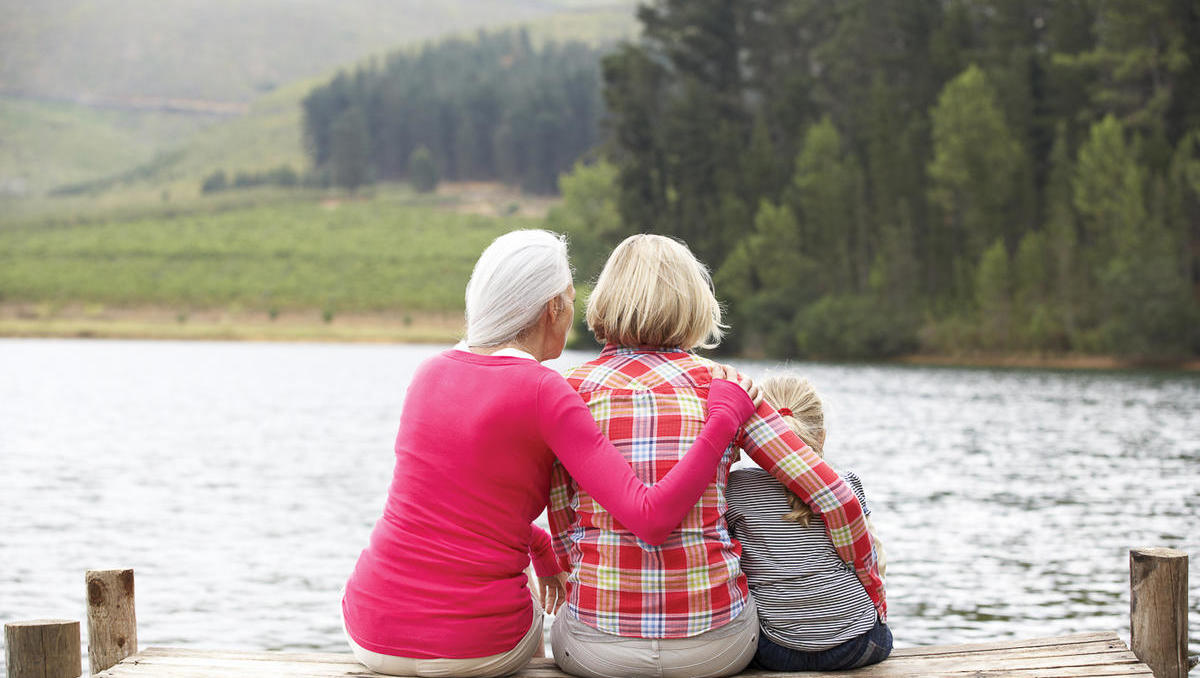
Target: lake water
(240,482)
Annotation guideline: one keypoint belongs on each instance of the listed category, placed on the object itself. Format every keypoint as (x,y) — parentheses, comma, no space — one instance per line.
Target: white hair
(512,282)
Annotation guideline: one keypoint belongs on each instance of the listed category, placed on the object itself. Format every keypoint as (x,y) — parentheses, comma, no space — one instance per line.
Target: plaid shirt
(651,404)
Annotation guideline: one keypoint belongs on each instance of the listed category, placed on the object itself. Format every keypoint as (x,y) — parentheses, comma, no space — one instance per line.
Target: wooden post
(43,648)
(112,625)
(1158,612)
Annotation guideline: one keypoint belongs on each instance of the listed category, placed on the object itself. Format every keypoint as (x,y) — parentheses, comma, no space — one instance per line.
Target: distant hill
(59,59)
(223,50)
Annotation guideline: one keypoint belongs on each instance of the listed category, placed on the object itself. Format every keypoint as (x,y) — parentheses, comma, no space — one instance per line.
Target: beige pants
(584,651)
(474,667)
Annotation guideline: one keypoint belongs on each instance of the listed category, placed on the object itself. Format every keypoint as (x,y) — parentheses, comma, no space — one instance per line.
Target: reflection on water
(241,480)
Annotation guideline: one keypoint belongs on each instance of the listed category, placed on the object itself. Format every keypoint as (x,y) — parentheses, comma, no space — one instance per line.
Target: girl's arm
(651,513)
(774,447)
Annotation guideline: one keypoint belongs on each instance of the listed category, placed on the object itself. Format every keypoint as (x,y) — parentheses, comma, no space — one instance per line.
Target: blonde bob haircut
(654,292)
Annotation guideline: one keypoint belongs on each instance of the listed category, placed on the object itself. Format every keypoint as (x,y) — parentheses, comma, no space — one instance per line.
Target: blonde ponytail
(802,411)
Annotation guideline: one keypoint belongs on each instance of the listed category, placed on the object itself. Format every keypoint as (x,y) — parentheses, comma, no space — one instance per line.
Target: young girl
(813,611)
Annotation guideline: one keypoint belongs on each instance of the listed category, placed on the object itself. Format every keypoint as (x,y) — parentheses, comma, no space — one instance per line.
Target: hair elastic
(785,412)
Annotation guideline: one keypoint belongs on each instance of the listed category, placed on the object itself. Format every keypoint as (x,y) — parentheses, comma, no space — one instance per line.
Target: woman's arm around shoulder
(651,513)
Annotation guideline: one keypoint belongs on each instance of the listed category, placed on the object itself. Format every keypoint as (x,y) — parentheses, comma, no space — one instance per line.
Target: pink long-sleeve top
(443,572)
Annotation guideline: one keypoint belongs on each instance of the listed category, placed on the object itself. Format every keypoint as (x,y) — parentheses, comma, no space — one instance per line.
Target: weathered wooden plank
(983,661)
(1095,647)
(131,668)
(885,671)
(1010,663)
(258,670)
(1099,652)
(253,655)
(1078,638)
(1083,642)
(166,664)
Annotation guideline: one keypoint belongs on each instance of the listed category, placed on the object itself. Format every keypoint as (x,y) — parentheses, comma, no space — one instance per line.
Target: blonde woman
(813,614)
(682,607)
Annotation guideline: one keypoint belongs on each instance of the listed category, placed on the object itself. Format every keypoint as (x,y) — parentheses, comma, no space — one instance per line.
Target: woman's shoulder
(455,366)
(641,368)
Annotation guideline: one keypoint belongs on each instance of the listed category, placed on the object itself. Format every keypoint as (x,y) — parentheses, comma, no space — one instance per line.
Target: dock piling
(43,648)
(1158,614)
(112,624)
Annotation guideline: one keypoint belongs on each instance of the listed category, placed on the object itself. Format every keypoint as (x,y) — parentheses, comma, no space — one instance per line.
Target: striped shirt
(808,599)
(650,403)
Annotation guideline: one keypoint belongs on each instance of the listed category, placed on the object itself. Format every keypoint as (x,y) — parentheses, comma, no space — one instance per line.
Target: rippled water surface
(241,480)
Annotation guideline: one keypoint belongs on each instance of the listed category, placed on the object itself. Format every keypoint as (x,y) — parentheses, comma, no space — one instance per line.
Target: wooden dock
(1092,654)
(1158,624)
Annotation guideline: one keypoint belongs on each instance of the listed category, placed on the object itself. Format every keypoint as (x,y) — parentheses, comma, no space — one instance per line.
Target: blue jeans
(871,647)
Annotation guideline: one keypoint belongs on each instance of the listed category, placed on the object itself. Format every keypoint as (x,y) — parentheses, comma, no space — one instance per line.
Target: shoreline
(75,322)
(30,321)
(1049,362)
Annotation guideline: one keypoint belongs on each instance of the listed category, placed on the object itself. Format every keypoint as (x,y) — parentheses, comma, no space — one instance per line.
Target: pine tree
(422,170)
(1147,50)
(1148,308)
(1068,272)
(771,276)
(973,173)
(1109,190)
(993,295)
(1183,201)
(350,149)
(829,196)
(633,91)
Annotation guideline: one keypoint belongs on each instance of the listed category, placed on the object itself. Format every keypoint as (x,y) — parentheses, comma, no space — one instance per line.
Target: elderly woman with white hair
(441,588)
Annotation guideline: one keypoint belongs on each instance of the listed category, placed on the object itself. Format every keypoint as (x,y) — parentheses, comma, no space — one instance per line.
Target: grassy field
(301,253)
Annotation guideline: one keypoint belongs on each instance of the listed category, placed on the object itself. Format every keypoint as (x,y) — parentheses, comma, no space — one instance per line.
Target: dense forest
(875,177)
(492,108)
(866,178)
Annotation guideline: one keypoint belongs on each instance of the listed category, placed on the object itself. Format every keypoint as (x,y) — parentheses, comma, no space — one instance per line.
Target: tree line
(493,108)
(872,177)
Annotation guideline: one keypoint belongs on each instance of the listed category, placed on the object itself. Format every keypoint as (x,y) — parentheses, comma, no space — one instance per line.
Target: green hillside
(45,145)
(267,136)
